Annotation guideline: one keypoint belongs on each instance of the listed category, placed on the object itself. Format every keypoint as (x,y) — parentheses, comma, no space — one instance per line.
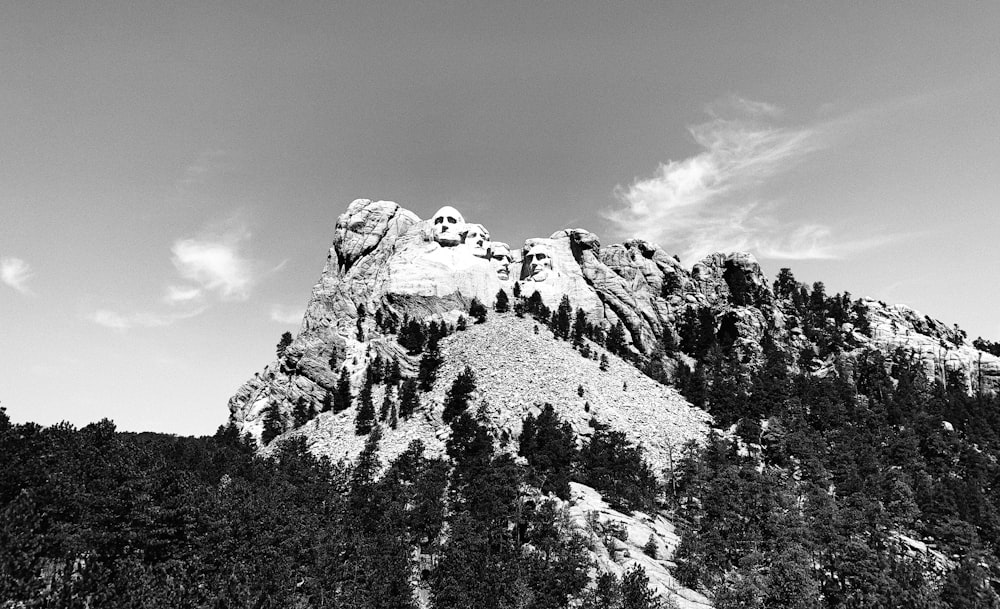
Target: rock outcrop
(386,262)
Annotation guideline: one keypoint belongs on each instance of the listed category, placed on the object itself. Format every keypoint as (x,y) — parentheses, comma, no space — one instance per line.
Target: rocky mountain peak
(386,263)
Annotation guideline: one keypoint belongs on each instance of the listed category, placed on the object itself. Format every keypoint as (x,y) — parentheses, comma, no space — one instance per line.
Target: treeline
(93,517)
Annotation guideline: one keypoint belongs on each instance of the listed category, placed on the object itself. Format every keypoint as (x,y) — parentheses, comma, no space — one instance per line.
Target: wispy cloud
(15,273)
(212,267)
(286,315)
(706,203)
(213,264)
(122,322)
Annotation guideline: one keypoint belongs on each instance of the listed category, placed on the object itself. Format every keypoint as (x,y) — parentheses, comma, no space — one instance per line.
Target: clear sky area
(171,172)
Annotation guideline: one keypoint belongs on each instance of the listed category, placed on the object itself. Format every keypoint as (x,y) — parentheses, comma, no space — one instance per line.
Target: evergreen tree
(477,310)
(300,412)
(616,339)
(517,289)
(388,404)
(395,374)
(579,328)
(785,286)
(563,319)
(365,420)
(457,398)
(274,424)
(343,397)
(604,362)
(412,336)
(283,344)
(429,365)
(549,445)
(502,304)
(636,593)
(409,399)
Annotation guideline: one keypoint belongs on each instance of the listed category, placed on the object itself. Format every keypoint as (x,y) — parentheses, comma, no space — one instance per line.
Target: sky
(171,172)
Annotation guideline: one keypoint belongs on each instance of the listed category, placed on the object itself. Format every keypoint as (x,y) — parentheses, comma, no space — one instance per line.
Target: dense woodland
(858,483)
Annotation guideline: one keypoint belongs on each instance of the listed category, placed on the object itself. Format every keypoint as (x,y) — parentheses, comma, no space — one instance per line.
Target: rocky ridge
(386,259)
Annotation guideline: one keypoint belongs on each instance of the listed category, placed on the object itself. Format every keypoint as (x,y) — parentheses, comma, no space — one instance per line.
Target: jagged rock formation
(385,259)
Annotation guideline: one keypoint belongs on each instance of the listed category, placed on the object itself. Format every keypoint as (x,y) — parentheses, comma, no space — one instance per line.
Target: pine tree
(283,344)
(393,417)
(457,398)
(395,374)
(343,397)
(387,405)
(579,328)
(274,424)
(785,286)
(502,304)
(366,410)
(409,399)
(462,324)
(636,593)
(549,445)
(604,362)
(517,289)
(300,413)
(563,318)
(412,336)
(477,311)
(616,339)
(429,364)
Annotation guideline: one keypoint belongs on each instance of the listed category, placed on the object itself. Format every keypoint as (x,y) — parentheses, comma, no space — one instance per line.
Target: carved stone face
(500,258)
(539,261)
(448,226)
(476,237)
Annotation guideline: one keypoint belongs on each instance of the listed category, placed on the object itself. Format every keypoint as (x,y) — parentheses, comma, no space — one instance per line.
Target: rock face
(385,261)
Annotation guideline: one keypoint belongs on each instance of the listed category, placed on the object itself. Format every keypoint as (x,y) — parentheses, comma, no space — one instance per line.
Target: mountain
(642,327)
(385,263)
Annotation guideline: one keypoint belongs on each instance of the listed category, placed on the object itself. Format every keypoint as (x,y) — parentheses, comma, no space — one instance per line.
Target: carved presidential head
(476,236)
(539,263)
(501,258)
(448,226)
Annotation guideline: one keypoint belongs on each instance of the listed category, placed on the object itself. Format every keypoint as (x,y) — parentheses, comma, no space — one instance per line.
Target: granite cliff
(385,262)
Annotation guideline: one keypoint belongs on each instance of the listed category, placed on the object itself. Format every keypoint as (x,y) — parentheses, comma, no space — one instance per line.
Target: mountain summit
(387,266)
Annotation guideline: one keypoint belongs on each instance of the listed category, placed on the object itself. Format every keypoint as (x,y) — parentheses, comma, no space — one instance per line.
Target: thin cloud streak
(121,322)
(15,273)
(704,203)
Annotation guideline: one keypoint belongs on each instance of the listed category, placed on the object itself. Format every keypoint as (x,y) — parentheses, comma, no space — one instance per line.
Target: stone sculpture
(448,225)
(501,259)
(539,261)
(476,237)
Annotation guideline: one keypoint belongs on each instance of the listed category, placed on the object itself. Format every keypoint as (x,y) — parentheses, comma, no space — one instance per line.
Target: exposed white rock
(476,238)
(599,523)
(449,224)
(938,347)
